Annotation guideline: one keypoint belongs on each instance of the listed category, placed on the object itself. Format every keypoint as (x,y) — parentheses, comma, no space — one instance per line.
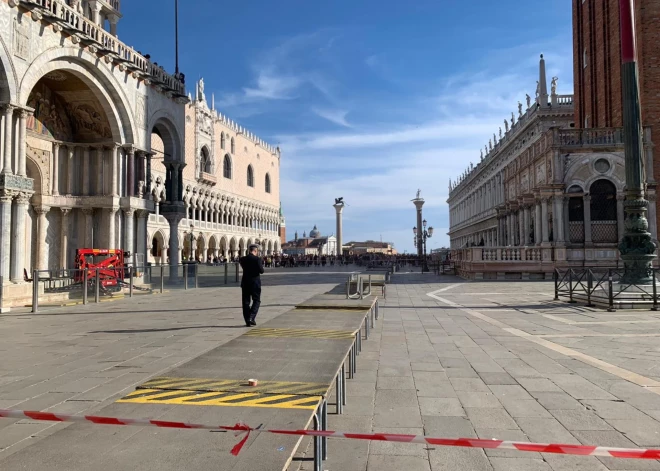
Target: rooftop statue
(506,124)
(520,108)
(553,85)
(529,100)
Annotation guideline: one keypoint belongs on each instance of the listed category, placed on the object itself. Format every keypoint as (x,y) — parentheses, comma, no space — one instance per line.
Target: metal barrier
(353,277)
(108,282)
(603,283)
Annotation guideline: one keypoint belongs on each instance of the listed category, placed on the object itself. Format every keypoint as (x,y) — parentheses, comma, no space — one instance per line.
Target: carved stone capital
(23,198)
(6,196)
(65,212)
(42,210)
(129,212)
(24,114)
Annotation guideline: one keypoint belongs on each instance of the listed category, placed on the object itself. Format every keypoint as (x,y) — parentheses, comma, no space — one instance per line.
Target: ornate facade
(231,189)
(544,194)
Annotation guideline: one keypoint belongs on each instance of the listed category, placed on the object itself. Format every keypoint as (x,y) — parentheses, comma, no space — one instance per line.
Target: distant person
(251,284)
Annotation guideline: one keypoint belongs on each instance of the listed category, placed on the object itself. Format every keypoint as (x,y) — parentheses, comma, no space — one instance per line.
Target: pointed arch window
(226,167)
(267,183)
(250,176)
(222,140)
(205,160)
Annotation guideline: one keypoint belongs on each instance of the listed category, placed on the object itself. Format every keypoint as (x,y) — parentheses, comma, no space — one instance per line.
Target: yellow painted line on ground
(301,333)
(223,399)
(103,300)
(234,385)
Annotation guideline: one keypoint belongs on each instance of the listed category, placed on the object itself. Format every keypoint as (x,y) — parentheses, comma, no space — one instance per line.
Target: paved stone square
(447,358)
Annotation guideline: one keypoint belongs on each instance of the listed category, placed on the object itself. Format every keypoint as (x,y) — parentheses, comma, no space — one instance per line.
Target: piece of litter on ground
(249,351)
(280,448)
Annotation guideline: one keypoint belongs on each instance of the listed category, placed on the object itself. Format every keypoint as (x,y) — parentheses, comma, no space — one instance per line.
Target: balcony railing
(116,4)
(590,137)
(57,11)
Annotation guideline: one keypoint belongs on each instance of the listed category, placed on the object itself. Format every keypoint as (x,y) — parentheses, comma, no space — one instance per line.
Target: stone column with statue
(339,208)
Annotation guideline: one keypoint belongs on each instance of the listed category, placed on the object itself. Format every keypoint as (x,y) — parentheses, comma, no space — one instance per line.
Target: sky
(370,100)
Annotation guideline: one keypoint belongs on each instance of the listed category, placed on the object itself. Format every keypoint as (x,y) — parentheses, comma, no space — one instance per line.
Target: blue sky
(368,99)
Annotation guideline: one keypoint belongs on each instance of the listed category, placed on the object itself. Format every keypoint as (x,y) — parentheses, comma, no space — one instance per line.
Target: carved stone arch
(8,80)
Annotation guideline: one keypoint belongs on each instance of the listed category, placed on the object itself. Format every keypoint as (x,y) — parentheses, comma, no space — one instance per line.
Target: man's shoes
(253,323)
(248,324)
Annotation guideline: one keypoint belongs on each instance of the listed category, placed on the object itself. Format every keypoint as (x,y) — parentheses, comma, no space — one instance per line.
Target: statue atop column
(419,192)
(553,85)
(538,90)
(200,90)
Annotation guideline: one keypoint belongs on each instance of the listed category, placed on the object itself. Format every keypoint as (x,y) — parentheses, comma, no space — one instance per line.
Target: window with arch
(603,211)
(205,160)
(267,183)
(226,167)
(233,146)
(222,140)
(250,176)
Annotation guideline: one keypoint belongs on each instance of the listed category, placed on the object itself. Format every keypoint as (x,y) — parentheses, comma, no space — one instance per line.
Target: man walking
(251,284)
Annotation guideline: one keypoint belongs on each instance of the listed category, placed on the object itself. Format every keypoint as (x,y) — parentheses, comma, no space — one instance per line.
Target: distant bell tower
(282,229)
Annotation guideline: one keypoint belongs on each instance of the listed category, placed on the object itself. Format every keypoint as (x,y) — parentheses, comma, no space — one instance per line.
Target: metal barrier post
(236,272)
(317,441)
(570,286)
(35,291)
(2,302)
(610,292)
(324,426)
(655,293)
(97,294)
(589,286)
(85,285)
(185,276)
(130,283)
(343,385)
(226,273)
(556,277)
(196,276)
(162,278)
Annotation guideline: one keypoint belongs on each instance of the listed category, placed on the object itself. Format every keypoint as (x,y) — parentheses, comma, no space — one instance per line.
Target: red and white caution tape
(564,449)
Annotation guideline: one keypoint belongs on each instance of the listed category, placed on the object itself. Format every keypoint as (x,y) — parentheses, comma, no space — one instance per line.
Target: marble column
(147,191)
(129,230)
(6,198)
(620,215)
(64,237)
(22,142)
(69,169)
(56,170)
(587,220)
(101,186)
(521,226)
(130,176)
(42,231)
(112,225)
(86,163)
(559,216)
(528,224)
(537,223)
(114,173)
(9,141)
(544,220)
(21,206)
(89,227)
(142,242)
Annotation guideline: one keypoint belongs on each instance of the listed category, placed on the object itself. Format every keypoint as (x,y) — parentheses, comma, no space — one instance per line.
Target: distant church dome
(315,233)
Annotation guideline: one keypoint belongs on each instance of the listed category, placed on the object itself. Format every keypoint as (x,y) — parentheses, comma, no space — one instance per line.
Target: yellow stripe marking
(234,385)
(301,333)
(194,398)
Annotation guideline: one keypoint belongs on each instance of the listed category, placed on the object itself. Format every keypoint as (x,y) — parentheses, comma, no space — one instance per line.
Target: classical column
(21,205)
(419,203)
(112,226)
(147,177)
(129,230)
(142,242)
(544,220)
(42,230)
(101,187)
(22,142)
(114,174)
(86,162)
(521,226)
(559,216)
(89,227)
(113,19)
(528,224)
(587,220)
(130,175)
(69,169)
(537,223)
(9,141)
(64,237)
(56,169)
(6,197)
(653,227)
(509,229)
(620,215)
(339,207)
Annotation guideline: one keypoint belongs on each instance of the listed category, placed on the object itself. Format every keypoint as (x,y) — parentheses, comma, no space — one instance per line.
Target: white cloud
(272,86)
(334,116)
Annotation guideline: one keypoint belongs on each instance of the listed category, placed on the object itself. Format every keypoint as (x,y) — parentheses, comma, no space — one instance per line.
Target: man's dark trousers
(251,291)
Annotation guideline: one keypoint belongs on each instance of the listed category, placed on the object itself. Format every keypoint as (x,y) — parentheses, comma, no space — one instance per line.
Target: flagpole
(176,36)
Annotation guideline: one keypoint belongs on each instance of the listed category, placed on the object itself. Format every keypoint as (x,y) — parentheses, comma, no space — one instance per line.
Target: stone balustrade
(589,137)
(59,13)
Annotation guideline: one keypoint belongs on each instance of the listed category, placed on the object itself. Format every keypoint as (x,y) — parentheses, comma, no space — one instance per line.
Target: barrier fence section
(603,283)
(75,286)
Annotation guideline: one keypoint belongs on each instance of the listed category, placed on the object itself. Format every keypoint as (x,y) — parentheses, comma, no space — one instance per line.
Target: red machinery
(110,262)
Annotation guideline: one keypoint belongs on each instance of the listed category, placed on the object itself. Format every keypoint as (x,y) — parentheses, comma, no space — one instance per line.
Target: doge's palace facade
(79,109)
(231,189)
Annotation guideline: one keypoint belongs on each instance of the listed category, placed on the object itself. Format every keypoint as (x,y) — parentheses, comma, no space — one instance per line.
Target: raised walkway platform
(296,358)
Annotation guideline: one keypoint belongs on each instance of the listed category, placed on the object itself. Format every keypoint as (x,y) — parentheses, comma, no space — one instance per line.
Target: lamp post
(422,235)
(636,247)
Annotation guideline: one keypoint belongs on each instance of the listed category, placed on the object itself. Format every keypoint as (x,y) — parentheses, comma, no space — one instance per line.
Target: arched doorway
(223,246)
(603,212)
(157,251)
(575,215)
(213,247)
(233,247)
(200,248)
